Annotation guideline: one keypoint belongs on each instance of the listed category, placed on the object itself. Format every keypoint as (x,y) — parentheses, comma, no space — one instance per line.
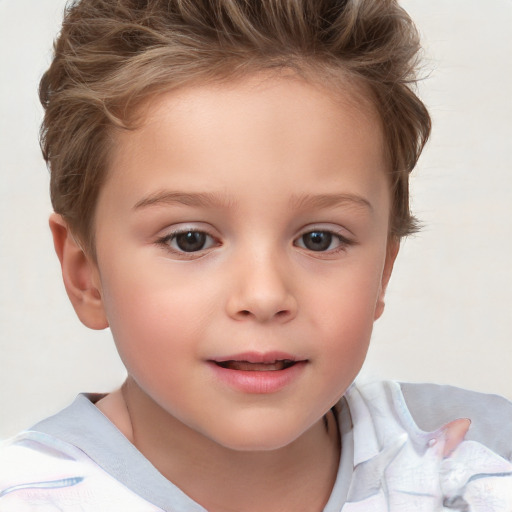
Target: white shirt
(78,461)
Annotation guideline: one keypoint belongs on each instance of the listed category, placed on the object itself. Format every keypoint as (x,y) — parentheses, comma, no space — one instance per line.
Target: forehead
(254,95)
(262,128)
(325,109)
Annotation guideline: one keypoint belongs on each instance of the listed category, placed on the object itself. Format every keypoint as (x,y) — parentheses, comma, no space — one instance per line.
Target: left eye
(189,241)
(319,241)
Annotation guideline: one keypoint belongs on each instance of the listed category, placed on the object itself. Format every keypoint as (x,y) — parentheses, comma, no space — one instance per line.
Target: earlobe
(391,254)
(80,275)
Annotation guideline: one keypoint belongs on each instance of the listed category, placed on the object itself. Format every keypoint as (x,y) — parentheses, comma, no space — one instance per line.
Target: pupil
(190,241)
(317,240)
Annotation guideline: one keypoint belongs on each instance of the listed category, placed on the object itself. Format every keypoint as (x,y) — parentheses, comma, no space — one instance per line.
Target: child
(230,182)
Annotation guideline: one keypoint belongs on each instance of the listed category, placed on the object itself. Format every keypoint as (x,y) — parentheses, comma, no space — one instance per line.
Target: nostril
(280,314)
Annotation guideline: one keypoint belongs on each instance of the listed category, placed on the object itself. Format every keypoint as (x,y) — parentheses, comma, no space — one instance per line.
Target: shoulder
(400,433)
(433,405)
(39,470)
(33,463)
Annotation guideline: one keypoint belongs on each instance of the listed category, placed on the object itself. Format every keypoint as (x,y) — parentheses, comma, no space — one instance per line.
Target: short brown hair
(112,55)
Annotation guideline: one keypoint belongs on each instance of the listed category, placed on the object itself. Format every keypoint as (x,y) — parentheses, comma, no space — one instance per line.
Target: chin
(257,445)
(260,437)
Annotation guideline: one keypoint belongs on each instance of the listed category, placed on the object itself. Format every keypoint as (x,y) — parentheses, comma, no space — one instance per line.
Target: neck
(298,476)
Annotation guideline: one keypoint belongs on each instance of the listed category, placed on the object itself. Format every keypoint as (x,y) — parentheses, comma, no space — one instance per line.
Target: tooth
(275,365)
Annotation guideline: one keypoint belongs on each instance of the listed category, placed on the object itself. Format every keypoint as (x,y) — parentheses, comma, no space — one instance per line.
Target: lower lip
(258,382)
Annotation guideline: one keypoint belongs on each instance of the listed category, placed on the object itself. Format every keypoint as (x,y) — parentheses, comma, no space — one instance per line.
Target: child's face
(245,224)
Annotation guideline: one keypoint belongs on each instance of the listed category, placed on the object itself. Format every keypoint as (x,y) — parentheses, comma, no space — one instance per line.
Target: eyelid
(172,232)
(336,231)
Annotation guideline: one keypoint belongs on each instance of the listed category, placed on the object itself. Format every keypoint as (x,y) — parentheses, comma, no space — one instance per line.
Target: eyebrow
(307,201)
(210,200)
(200,200)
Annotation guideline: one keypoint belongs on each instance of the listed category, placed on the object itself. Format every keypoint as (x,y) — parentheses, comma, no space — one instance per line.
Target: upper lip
(258,357)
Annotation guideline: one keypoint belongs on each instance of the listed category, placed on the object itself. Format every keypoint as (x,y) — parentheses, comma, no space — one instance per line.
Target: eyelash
(343,241)
(168,239)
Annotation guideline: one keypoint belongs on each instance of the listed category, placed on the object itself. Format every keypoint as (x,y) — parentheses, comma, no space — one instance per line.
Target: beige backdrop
(449,312)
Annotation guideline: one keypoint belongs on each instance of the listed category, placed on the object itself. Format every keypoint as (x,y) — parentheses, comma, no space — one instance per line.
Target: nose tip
(262,294)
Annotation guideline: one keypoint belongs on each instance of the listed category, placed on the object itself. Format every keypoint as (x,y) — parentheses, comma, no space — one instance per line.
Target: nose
(262,290)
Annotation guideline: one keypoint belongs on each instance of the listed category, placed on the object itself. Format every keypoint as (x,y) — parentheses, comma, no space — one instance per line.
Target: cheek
(343,317)
(154,339)
(347,334)
(347,339)
(146,317)
(345,301)
(159,320)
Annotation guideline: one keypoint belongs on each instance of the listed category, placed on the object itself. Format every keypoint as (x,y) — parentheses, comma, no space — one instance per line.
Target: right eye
(317,241)
(188,241)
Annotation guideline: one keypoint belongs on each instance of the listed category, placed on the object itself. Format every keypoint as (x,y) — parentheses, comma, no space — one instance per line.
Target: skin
(257,166)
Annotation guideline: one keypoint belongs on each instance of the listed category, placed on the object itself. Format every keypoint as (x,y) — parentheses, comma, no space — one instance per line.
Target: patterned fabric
(397,468)
(39,473)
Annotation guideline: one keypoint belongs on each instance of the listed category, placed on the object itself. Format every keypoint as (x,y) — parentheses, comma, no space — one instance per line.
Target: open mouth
(246,366)
(258,373)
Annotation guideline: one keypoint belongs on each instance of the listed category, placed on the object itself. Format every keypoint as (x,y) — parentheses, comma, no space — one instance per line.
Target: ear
(391,254)
(80,275)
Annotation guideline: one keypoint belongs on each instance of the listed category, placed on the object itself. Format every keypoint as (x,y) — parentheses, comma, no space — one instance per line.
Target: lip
(259,381)
(257,357)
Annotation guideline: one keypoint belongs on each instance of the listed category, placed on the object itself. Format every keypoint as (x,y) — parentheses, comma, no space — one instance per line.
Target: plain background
(449,304)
